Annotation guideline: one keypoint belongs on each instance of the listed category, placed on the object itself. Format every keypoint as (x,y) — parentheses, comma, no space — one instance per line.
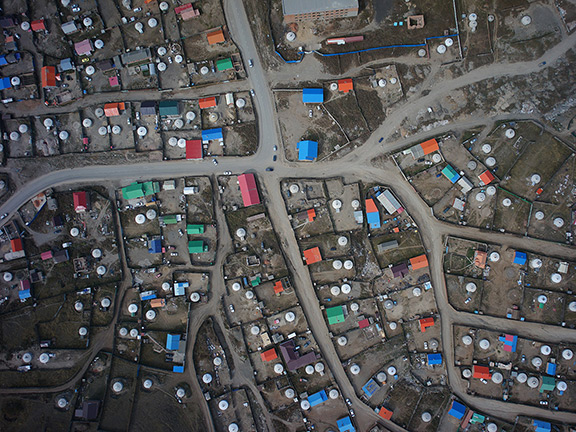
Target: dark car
(274,158)
(269,169)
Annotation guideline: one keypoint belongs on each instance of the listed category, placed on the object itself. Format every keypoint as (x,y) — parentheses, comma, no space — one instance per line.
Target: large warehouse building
(305,10)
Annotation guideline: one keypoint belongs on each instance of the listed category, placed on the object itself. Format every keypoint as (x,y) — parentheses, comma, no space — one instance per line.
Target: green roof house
(193,229)
(169,108)
(197,246)
(170,219)
(548,384)
(224,64)
(256,281)
(335,315)
(139,190)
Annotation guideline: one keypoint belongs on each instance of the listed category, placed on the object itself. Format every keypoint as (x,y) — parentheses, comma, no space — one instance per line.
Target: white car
(275,148)
(214,161)
(227,172)
(250,63)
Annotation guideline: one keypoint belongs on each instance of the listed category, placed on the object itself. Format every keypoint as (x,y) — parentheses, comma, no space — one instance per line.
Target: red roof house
(312,256)
(486,177)
(385,413)
(278,287)
(481,372)
(48,76)
(269,355)
(38,25)
(216,36)
(364,323)
(209,102)
(248,189)
(345,85)
(194,149)
(429,146)
(425,323)
(80,202)
(419,262)
(311,214)
(113,109)
(16,245)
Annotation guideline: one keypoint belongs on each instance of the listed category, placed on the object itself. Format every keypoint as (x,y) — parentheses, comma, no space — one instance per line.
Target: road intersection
(358,165)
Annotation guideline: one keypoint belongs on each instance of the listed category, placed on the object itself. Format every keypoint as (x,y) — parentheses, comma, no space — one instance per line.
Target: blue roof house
(551,368)
(313,95)
(212,135)
(155,246)
(5,83)
(345,425)
(373,219)
(542,426)
(24,294)
(172,342)
(178,369)
(3,61)
(451,174)
(317,398)
(434,359)
(370,388)
(520,258)
(307,150)
(457,410)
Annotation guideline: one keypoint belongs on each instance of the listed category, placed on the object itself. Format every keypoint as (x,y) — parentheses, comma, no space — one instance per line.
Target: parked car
(250,63)
(269,169)
(231,308)
(214,161)
(348,402)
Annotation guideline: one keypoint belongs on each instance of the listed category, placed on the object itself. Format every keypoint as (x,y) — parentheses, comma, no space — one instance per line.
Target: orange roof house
(425,323)
(345,85)
(38,25)
(278,288)
(269,355)
(312,256)
(385,413)
(480,259)
(419,262)
(486,177)
(157,302)
(209,102)
(481,372)
(48,76)
(113,109)
(216,36)
(16,245)
(370,206)
(429,146)
(311,215)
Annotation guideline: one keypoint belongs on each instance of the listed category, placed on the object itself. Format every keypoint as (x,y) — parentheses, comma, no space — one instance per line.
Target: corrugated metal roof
(294,7)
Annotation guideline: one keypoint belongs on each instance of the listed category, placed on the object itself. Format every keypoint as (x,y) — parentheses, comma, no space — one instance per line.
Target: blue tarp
(313,95)
(434,359)
(149,297)
(457,410)
(24,294)
(520,258)
(345,425)
(373,219)
(212,134)
(155,246)
(542,426)
(307,150)
(5,83)
(317,398)
(172,342)
(178,369)
(370,388)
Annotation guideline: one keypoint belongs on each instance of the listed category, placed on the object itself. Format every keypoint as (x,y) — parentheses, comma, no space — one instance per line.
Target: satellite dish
(486,148)
(116,129)
(87,22)
(14,136)
(23,128)
(99,44)
(87,122)
(150,315)
(161,66)
(152,22)
(90,70)
(64,135)
(102,130)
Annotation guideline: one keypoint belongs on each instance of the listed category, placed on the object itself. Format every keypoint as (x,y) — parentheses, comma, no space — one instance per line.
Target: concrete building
(310,10)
